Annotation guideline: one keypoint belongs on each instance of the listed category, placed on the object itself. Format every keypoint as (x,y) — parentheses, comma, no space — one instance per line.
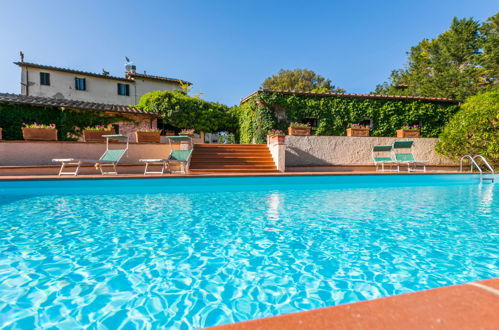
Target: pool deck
(468,306)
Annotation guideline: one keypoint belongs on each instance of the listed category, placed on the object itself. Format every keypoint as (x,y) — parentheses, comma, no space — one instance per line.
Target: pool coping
(472,305)
(214,175)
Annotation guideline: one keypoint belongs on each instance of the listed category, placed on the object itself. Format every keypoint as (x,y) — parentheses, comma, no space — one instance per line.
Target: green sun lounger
(180,157)
(382,155)
(109,158)
(403,154)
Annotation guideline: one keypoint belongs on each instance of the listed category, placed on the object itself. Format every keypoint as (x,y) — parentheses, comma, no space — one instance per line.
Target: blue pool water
(191,253)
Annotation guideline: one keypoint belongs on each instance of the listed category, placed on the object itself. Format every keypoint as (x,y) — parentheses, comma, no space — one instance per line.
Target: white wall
(347,150)
(100,90)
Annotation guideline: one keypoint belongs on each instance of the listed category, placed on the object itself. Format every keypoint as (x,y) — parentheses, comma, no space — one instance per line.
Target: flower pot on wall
(408,133)
(148,137)
(95,135)
(299,130)
(276,139)
(41,134)
(357,131)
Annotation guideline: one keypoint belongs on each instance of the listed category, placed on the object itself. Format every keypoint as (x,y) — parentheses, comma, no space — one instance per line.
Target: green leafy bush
(181,110)
(69,123)
(474,129)
(333,114)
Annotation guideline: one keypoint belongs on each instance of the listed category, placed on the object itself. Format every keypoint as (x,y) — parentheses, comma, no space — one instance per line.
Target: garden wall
(342,150)
(32,153)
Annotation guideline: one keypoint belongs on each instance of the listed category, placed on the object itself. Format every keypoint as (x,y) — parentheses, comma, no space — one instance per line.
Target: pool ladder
(474,163)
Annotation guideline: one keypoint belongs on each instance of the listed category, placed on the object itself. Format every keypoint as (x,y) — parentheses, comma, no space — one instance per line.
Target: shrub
(181,110)
(474,129)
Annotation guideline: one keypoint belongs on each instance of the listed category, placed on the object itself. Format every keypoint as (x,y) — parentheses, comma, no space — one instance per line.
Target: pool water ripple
(195,259)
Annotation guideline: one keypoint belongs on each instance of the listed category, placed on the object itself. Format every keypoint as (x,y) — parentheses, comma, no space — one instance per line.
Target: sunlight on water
(203,258)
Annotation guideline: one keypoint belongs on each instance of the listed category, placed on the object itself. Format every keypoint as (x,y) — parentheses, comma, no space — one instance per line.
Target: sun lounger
(403,154)
(382,155)
(110,158)
(178,157)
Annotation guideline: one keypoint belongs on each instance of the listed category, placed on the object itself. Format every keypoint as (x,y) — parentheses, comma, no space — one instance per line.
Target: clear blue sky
(226,48)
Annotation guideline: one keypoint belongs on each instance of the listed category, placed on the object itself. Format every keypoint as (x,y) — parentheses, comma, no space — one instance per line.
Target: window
(45,78)
(80,84)
(123,89)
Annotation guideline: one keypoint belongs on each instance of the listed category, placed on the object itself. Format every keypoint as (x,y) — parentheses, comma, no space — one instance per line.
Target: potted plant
(409,131)
(358,130)
(187,132)
(152,135)
(95,133)
(40,132)
(275,136)
(299,129)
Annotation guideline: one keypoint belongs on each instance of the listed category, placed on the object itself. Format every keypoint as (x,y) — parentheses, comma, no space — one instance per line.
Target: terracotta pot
(95,136)
(299,130)
(148,137)
(408,133)
(42,134)
(358,131)
(276,139)
(169,134)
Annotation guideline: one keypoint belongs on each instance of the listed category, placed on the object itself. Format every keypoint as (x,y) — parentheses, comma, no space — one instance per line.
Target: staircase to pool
(231,158)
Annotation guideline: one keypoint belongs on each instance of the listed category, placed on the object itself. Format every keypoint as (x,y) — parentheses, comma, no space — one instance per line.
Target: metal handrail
(486,164)
(472,159)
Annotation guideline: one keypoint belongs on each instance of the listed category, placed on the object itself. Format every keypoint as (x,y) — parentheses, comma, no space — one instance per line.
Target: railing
(473,162)
(486,163)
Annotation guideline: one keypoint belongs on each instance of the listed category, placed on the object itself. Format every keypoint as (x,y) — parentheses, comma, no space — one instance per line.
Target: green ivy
(334,113)
(69,122)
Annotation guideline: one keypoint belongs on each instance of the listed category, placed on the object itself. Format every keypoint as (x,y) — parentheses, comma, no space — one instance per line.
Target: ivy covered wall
(69,123)
(332,114)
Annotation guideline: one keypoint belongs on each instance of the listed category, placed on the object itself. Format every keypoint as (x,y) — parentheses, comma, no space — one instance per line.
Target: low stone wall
(346,150)
(32,153)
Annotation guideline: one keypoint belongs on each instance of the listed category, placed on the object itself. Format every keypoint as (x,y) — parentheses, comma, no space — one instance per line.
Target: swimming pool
(196,252)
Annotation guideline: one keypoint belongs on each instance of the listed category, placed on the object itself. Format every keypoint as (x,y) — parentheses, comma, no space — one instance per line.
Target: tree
(460,62)
(300,80)
(183,111)
(474,129)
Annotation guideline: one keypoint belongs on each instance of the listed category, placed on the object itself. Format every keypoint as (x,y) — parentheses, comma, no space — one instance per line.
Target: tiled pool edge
(472,305)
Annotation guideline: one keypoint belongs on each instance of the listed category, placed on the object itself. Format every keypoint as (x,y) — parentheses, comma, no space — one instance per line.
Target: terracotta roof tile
(131,75)
(72,104)
(49,67)
(354,96)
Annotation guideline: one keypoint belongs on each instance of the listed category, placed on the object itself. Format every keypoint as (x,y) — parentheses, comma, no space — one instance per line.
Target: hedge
(69,122)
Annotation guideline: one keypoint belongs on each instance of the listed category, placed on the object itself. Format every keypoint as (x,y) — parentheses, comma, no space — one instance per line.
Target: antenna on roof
(105,73)
(22,56)
(129,66)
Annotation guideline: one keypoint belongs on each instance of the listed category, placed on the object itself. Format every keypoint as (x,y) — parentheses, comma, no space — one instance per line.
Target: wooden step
(232,158)
(250,170)
(233,167)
